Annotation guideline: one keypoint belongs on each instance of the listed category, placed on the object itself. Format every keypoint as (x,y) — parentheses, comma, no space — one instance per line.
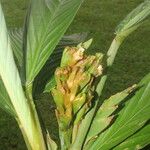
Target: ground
(99,18)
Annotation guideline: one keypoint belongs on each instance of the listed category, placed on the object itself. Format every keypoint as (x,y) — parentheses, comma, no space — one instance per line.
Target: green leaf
(47,22)
(11,80)
(82,131)
(51,84)
(133,116)
(126,27)
(48,82)
(137,141)
(86,44)
(16,39)
(8,70)
(104,115)
(136,17)
(5,102)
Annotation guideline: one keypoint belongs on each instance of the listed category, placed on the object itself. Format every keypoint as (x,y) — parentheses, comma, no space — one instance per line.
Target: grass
(99,18)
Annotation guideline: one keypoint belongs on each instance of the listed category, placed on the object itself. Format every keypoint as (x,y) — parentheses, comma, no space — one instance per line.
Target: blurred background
(98,18)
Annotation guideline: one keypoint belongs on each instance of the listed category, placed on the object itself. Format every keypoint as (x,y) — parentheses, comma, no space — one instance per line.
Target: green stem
(74,132)
(65,138)
(26,139)
(111,54)
(39,143)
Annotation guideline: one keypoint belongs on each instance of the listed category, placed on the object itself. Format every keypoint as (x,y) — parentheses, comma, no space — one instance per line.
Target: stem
(37,142)
(26,139)
(65,133)
(114,49)
(74,132)
(65,138)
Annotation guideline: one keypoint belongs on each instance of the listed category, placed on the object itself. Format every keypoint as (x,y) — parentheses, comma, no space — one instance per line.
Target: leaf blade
(5,102)
(45,30)
(136,141)
(16,40)
(136,17)
(104,115)
(131,118)
(11,79)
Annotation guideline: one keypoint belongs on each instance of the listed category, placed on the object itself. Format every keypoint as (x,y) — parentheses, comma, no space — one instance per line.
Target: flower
(75,84)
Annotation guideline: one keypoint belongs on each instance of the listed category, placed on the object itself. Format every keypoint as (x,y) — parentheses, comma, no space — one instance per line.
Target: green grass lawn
(99,18)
